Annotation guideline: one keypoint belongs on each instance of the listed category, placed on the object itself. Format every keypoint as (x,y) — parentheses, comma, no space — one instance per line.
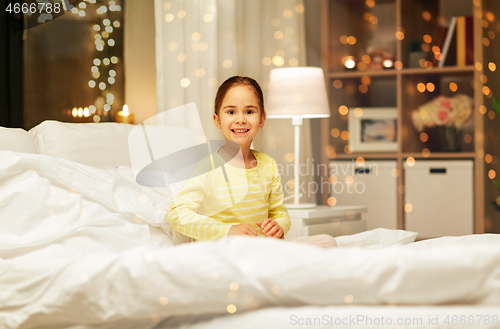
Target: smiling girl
(206,209)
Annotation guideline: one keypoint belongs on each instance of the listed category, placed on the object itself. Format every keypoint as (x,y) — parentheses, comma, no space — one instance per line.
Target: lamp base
(300,205)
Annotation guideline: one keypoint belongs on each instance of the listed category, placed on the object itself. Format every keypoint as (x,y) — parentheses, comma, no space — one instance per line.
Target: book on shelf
(450,37)
(441,35)
(458,45)
(465,42)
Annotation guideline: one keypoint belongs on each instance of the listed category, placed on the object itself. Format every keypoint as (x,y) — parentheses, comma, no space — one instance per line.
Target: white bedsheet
(348,317)
(73,255)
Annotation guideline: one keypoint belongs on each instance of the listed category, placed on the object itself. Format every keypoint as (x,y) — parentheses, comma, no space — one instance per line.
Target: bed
(82,245)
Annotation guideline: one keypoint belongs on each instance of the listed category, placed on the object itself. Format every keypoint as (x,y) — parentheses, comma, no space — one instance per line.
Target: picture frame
(373,129)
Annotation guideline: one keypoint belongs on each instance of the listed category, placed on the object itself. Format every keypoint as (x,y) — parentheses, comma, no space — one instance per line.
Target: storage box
(373,185)
(439,197)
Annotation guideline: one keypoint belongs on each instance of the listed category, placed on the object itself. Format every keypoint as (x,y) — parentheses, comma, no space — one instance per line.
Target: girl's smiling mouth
(240,131)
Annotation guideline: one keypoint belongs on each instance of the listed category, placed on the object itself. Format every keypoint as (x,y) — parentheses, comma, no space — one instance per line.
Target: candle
(349,62)
(79,115)
(124,116)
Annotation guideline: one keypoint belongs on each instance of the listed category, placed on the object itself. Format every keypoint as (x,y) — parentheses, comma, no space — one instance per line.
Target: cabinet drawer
(373,185)
(439,198)
(343,228)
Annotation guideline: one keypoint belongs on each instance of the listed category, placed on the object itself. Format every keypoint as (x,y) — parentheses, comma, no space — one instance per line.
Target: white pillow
(106,145)
(377,238)
(463,240)
(102,145)
(16,140)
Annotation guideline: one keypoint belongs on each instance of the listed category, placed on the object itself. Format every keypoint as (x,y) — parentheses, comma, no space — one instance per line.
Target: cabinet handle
(362,171)
(437,170)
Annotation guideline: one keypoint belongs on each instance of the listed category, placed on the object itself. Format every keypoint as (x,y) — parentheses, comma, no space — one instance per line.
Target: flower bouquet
(451,113)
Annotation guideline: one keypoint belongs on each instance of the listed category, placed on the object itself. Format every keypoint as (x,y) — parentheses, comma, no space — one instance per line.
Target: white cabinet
(373,184)
(439,197)
(335,221)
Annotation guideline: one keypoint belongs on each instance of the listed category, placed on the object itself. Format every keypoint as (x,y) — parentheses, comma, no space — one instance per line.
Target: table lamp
(297,93)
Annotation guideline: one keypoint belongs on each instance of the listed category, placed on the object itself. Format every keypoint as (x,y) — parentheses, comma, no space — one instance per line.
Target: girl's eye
(249,111)
(230,112)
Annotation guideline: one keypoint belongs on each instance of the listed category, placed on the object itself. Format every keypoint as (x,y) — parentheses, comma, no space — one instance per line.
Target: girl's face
(240,116)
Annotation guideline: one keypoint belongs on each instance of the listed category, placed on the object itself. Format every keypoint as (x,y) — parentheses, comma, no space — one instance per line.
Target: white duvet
(83,247)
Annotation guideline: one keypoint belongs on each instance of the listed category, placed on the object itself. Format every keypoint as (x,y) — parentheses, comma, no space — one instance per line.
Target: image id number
(33,8)
(471,320)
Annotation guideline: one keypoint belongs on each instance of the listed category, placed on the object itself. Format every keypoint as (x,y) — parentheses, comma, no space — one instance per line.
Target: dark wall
(11,69)
(492,119)
(313,43)
(58,58)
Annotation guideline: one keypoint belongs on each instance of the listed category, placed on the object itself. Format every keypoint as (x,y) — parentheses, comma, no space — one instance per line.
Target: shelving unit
(396,25)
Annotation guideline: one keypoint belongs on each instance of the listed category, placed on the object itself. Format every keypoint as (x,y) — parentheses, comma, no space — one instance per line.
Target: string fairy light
(104,75)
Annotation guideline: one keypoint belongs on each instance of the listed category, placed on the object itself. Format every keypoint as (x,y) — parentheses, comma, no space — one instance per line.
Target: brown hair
(238,81)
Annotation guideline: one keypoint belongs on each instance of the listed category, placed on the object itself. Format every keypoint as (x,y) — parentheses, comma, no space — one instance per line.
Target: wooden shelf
(366,156)
(400,88)
(437,70)
(415,155)
(441,155)
(408,71)
(359,74)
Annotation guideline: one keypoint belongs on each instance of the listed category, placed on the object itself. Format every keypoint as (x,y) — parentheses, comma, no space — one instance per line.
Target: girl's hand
(271,228)
(242,229)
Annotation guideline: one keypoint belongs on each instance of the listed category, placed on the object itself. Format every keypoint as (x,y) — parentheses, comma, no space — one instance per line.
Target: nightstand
(335,221)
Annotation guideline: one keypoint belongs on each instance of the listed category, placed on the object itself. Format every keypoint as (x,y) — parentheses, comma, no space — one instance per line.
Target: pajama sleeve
(184,218)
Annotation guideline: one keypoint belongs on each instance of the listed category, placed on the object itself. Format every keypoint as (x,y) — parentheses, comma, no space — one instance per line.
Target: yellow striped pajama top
(209,204)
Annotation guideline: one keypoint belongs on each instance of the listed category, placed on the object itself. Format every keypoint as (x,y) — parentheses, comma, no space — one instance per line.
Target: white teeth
(240,130)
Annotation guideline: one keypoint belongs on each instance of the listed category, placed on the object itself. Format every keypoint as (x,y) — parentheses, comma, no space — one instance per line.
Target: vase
(451,138)
(415,57)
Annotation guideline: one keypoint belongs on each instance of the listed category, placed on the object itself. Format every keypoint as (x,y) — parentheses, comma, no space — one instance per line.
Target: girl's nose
(240,119)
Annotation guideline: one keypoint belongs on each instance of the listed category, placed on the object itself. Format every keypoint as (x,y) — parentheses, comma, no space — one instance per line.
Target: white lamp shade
(297,91)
